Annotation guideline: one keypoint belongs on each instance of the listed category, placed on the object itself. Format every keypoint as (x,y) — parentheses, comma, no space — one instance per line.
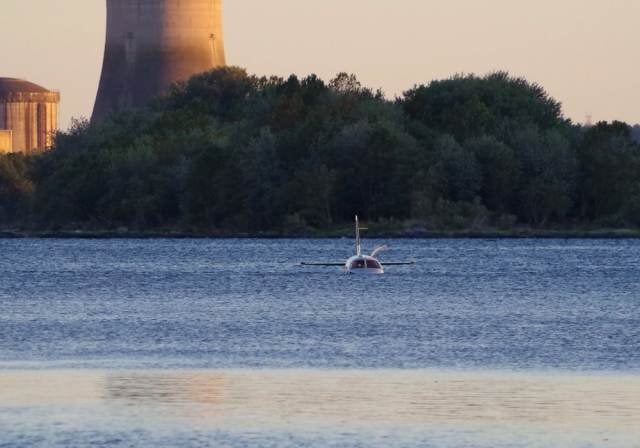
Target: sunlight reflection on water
(501,409)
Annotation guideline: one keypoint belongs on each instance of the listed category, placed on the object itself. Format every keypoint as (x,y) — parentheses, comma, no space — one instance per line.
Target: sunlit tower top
(588,121)
(151,44)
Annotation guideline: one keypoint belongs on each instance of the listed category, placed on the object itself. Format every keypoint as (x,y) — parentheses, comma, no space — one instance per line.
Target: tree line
(231,152)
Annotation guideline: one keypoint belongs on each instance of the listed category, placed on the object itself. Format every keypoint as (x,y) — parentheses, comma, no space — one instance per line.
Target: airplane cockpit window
(358,264)
(373,264)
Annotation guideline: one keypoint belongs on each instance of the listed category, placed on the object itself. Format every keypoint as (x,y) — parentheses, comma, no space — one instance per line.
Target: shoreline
(525,233)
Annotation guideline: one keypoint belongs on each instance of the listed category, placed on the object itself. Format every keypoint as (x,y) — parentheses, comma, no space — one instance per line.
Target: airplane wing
(399,263)
(323,264)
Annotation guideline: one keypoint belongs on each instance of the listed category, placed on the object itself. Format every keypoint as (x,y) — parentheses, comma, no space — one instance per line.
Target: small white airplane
(363,264)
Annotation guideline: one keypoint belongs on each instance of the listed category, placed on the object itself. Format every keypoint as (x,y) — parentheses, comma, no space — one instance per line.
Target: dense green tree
(263,177)
(461,169)
(547,186)
(315,188)
(635,133)
(231,152)
(609,170)
(499,171)
(16,188)
(215,193)
(470,106)
(222,93)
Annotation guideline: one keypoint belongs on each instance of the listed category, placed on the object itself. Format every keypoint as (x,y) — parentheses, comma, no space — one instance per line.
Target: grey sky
(585,52)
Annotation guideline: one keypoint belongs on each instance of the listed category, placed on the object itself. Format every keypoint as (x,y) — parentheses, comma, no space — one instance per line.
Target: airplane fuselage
(363,264)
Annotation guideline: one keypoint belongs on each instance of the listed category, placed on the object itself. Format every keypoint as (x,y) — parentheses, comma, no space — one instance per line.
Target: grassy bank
(374,232)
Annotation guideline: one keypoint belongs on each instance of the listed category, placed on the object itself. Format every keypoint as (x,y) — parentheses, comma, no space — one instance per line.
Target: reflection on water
(159,389)
(420,403)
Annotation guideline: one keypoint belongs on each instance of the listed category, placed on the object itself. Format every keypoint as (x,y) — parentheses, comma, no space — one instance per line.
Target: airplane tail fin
(358,245)
(358,238)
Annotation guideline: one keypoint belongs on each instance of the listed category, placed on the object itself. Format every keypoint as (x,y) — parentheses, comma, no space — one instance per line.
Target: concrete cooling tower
(151,44)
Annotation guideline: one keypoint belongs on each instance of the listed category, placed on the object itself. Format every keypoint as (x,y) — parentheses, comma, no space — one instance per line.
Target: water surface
(232,343)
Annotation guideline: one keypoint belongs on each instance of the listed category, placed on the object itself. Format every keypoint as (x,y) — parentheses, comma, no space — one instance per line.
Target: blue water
(233,343)
(506,304)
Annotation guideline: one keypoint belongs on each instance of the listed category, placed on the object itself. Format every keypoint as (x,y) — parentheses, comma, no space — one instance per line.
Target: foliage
(231,152)
(635,133)
(472,106)
(609,174)
(16,188)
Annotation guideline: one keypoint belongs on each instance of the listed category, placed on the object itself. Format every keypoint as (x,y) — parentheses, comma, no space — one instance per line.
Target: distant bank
(521,233)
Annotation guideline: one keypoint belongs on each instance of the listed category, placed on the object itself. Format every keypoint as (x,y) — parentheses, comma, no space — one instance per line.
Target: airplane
(363,264)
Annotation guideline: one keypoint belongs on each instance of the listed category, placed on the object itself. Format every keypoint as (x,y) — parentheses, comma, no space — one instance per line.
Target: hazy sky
(585,52)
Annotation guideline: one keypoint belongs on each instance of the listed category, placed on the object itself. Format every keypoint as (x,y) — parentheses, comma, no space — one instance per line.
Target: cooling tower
(151,44)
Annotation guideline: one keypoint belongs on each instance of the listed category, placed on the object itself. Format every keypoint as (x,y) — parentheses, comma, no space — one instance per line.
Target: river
(484,343)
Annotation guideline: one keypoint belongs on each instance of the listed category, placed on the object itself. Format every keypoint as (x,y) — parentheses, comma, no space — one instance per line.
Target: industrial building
(150,44)
(6,141)
(28,116)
